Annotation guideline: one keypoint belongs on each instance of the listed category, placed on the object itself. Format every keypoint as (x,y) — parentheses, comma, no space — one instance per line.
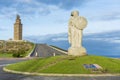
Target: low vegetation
(15,49)
(67,65)
(5,55)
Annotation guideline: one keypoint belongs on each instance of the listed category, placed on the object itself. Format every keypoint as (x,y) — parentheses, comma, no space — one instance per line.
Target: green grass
(66,65)
(5,55)
(29,51)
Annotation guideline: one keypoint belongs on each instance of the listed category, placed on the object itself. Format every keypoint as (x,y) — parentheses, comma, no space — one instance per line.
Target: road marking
(36,54)
(3,65)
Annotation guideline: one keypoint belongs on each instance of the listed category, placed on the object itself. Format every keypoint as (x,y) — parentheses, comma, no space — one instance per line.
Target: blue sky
(41,17)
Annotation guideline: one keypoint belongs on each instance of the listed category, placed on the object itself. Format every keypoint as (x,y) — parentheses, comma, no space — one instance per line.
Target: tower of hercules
(18,29)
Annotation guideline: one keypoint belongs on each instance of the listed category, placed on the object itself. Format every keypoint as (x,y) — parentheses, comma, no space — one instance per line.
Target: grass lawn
(5,55)
(67,65)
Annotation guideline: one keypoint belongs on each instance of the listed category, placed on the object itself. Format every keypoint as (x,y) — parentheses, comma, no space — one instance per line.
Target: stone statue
(76,25)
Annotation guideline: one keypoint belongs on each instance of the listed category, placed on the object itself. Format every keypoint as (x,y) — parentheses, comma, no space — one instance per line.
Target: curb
(16,58)
(57,49)
(47,74)
(31,51)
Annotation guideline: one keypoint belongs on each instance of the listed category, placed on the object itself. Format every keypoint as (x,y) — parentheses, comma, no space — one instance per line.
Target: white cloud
(2,29)
(4,12)
(60,39)
(24,1)
(115,41)
(102,26)
(27,8)
(110,40)
(111,16)
(41,17)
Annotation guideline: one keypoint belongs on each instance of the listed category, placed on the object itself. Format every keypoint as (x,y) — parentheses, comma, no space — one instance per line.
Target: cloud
(113,16)
(108,37)
(60,39)
(6,3)
(37,7)
(32,8)
(115,41)
(64,4)
(48,37)
(105,44)
(4,12)
(24,1)
(2,29)
(106,17)
(109,40)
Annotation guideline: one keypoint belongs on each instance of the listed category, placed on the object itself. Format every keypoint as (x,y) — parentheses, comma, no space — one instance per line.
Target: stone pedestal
(77,51)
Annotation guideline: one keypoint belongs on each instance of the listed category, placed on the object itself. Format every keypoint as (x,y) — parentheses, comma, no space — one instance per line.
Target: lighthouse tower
(18,29)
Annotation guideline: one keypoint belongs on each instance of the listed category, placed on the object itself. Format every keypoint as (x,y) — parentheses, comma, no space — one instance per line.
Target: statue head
(74,13)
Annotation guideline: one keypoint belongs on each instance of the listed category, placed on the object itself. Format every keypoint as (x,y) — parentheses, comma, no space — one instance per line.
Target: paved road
(6,75)
(43,51)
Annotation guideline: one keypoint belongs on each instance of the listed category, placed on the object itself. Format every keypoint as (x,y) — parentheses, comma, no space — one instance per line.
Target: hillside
(8,48)
(67,65)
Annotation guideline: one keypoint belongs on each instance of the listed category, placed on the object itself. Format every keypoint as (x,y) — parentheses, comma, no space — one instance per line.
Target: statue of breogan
(76,25)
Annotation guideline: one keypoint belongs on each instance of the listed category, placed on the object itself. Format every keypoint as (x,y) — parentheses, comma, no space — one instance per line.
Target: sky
(43,17)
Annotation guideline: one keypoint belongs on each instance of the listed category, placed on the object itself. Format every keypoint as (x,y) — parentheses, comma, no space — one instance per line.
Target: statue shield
(81,23)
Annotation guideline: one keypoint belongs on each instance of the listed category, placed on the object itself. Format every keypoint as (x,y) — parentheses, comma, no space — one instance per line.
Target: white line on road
(3,65)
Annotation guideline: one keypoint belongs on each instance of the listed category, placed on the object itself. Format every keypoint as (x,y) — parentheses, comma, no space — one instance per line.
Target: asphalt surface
(43,51)
(6,75)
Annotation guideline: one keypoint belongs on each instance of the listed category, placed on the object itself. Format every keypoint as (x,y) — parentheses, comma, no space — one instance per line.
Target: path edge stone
(51,74)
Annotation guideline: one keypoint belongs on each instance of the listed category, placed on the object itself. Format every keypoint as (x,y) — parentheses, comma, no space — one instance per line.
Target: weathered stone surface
(18,29)
(78,51)
(76,25)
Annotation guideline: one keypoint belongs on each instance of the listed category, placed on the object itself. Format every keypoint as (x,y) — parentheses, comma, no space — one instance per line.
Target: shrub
(16,55)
